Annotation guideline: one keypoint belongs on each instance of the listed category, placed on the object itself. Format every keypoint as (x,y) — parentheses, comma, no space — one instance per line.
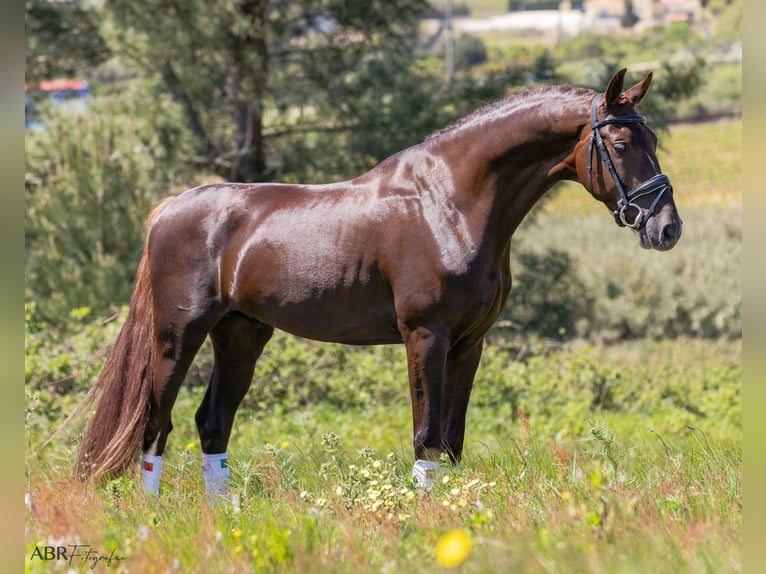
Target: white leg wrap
(151,470)
(215,468)
(426,472)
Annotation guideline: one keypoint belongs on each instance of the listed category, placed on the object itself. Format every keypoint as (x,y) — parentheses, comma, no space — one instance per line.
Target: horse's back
(305,259)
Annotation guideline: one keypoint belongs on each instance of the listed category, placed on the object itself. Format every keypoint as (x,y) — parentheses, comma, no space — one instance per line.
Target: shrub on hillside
(91,180)
(548,297)
(694,290)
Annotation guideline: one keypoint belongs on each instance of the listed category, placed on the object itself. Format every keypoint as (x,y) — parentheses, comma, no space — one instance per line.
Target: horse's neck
(506,160)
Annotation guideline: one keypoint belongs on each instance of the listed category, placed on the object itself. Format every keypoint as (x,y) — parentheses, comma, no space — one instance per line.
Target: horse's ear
(635,94)
(614,89)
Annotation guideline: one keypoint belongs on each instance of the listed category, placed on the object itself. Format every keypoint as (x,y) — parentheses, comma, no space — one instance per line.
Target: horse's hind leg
(178,341)
(237,342)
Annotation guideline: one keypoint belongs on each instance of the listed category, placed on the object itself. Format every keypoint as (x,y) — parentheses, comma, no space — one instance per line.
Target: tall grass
(585,459)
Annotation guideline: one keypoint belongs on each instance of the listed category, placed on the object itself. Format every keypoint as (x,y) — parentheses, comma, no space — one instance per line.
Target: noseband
(659,184)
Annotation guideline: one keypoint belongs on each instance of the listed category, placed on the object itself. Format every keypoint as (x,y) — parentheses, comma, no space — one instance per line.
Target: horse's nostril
(669,232)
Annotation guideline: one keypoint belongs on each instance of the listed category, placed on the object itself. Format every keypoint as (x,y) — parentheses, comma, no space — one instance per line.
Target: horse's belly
(340,320)
(333,326)
(321,303)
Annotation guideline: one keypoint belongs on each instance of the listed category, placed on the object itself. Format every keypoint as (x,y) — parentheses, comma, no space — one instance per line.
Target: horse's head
(616,161)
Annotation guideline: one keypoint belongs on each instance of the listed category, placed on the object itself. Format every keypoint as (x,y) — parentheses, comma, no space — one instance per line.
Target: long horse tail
(115,435)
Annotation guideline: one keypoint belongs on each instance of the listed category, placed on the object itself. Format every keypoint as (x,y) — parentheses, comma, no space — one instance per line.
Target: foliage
(536,63)
(62,39)
(329,489)
(653,43)
(258,78)
(469,51)
(726,21)
(677,80)
(559,390)
(548,296)
(90,182)
(683,61)
(579,457)
(629,17)
(627,455)
(611,290)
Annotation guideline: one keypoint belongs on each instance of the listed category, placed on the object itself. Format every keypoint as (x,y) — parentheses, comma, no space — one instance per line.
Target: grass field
(649,483)
(584,458)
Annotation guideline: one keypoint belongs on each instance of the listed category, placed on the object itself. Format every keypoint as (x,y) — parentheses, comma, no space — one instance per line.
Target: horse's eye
(620,148)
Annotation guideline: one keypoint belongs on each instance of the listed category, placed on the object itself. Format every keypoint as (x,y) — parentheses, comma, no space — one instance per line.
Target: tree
(629,16)
(91,180)
(62,39)
(261,81)
(470,51)
(673,82)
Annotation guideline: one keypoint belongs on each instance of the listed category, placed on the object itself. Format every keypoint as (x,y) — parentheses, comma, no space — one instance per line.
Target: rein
(659,184)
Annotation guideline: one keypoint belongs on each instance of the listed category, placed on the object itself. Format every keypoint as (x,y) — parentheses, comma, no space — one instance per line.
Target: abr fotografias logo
(76,554)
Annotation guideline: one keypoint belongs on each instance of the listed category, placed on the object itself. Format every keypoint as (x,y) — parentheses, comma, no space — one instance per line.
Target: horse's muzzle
(661,235)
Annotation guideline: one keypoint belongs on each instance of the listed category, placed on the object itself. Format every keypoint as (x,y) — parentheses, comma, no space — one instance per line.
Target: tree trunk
(246,85)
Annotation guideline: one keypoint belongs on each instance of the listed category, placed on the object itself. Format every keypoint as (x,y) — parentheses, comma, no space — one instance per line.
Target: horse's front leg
(426,357)
(462,363)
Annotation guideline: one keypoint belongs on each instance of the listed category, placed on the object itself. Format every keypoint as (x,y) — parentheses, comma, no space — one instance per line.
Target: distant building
(69,94)
(648,11)
(644,9)
(689,11)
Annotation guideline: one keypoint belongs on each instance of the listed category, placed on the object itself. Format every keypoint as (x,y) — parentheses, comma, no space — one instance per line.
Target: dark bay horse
(415,251)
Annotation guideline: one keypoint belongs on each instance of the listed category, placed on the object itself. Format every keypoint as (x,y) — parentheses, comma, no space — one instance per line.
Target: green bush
(91,180)
(694,290)
(562,390)
(469,51)
(548,297)
(684,382)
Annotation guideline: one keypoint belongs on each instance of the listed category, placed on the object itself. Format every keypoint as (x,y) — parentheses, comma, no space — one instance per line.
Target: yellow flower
(236,533)
(284,444)
(566,495)
(190,445)
(452,549)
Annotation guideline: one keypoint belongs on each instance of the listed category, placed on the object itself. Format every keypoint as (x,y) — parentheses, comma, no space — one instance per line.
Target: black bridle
(659,184)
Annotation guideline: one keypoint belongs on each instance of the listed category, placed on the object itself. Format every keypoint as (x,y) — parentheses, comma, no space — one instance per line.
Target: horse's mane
(532,93)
